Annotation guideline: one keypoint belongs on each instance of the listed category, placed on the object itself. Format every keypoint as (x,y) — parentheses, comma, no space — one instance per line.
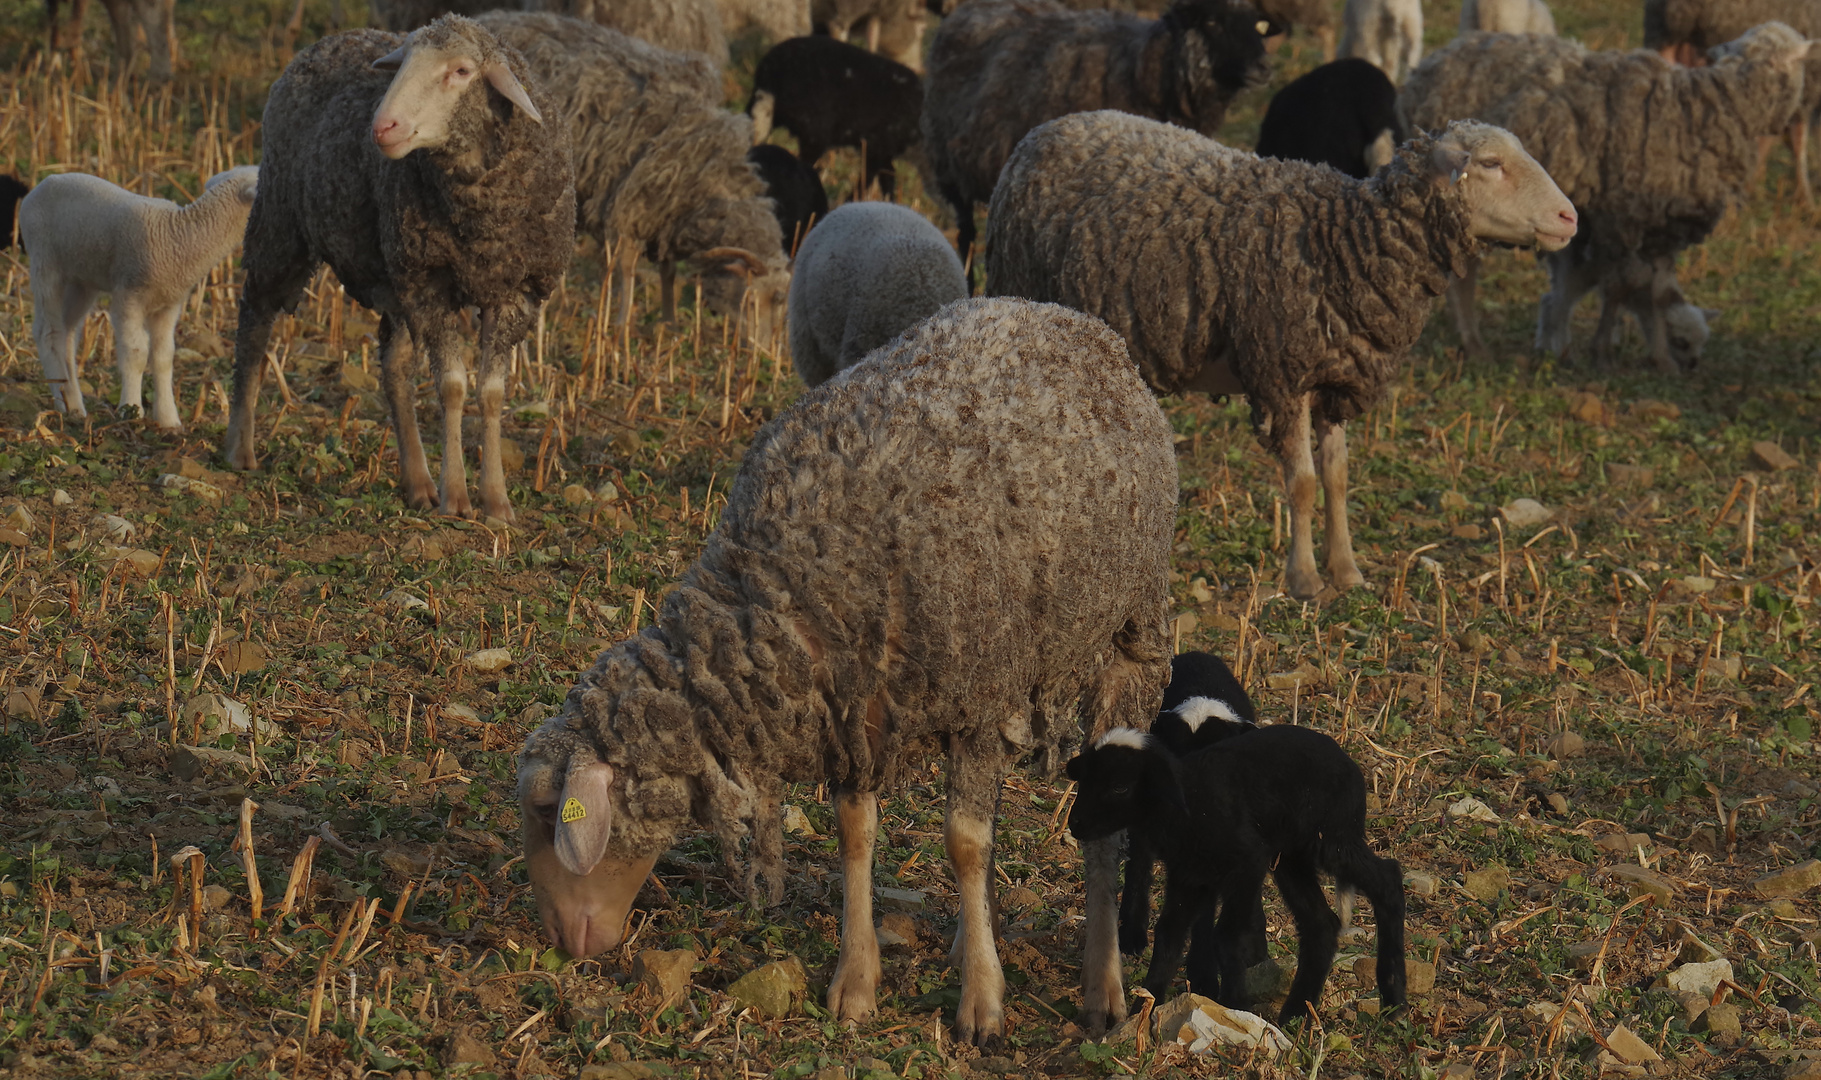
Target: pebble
(215,897)
(217,713)
(1421,884)
(60,497)
(1629,1048)
(1473,810)
(1022,898)
(353,378)
(1770,457)
(1700,979)
(1565,744)
(18,517)
(772,989)
(1454,500)
(1622,843)
(796,822)
(404,600)
(606,492)
(465,1049)
(1693,950)
(664,974)
(173,484)
(136,562)
(1640,881)
(1419,975)
(576,495)
(242,657)
(14,538)
(892,931)
(1630,475)
(1791,881)
(1721,1022)
(1525,513)
(902,899)
(489,660)
(1485,885)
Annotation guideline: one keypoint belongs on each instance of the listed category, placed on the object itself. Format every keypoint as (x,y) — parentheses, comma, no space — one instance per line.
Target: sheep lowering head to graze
(1282,800)
(86,237)
(798,198)
(1287,282)
(828,93)
(421,169)
(999,68)
(961,546)
(1342,114)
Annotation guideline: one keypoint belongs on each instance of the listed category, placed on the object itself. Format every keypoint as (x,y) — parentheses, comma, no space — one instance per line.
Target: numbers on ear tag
(573,810)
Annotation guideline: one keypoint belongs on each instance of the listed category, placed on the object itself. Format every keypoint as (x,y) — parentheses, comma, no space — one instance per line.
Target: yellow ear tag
(573,810)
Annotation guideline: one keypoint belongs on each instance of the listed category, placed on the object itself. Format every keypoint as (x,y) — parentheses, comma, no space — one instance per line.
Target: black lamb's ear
(1073,769)
(1163,776)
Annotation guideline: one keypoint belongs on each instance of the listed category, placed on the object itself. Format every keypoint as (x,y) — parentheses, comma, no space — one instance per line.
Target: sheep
(894,28)
(828,93)
(85,237)
(999,68)
(129,18)
(1506,17)
(795,190)
(661,168)
(959,543)
(676,25)
(775,19)
(12,189)
(867,273)
(1282,799)
(1650,153)
(1388,33)
(420,169)
(1342,114)
(1672,327)
(404,16)
(1285,281)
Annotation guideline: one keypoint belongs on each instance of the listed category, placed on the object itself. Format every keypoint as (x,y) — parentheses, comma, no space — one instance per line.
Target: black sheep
(795,190)
(829,93)
(1282,800)
(1342,114)
(12,189)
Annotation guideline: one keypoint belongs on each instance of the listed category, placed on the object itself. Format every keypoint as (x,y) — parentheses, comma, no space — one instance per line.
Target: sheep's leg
(1102,980)
(1181,907)
(1317,933)
(1766,143)
(1301,579)
(1656,336)
(451,376)
(1203,964)
(667,289)
(132,347)
(494,501)
(60,309)
(1460,306)
(121,13)
(1240,895)
(626,266)
(1339,538)
(1135,900)
(1606,334)
(973,792)
(1382,883)
(873,23)
(1798,146)
(1567,284)
(162,327)
(395,355)
(852,990)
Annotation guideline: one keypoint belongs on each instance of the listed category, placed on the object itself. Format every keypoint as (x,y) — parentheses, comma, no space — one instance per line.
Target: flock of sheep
(958,540)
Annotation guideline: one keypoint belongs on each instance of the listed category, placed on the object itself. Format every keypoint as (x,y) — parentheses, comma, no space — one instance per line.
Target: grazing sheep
(894,28)
(777,20)
(1001,67)
(871,271)
(421,170)
(1282,800)
(677,25)
(1342,114)
(404,16)
(129,18)
(1672,327)
(86,237)
(660,167)
(795,190)
(1285,281)
(960,545)
(828,93)
(1506,17)
(1651,154)
(1389,33)
(12,189)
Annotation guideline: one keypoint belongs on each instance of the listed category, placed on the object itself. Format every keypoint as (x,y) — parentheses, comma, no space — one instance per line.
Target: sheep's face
(1115,780)
(1225,39)
(1510,198)
(582,895)
(738,284)
(437,66)
(1685,326)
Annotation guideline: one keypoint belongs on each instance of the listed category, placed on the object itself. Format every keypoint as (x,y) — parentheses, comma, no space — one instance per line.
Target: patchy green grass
(1662,617)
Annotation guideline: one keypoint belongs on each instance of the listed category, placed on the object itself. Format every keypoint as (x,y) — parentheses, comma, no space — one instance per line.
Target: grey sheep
(1506,17)
(422,171)
(660,168)
(677,25)
(1387,33)
(999,68)
(1288,282)
(1650,153)
(867,273)
(959,546)
(892,28)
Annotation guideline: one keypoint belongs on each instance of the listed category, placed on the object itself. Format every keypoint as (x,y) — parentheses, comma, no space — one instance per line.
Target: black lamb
(1283,800)
(829,93)
(12,189)
(796,192)
(1342,114)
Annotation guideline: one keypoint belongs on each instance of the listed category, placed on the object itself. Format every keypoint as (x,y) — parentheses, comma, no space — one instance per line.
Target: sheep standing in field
(777,20)
(86,237)
(1287,282)
(1313,15)
(1001,67)
(129,19)
(1342,114)
(677,25)
(828,93)
(1673,327)
(660,167)
(868,273)
(1388,33)
(422,170)
(1506,17)
(1651,154)
(960,545)
(796,192)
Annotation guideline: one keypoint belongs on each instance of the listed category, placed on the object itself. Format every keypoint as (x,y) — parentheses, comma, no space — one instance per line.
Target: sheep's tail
(1381,881)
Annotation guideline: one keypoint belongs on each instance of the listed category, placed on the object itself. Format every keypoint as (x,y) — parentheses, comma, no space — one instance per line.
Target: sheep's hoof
(1346,579)
(983,1025)
(1133,940)
(1301,587)
(423,498)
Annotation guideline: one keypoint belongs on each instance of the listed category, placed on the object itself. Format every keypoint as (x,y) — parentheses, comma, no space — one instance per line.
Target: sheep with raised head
(676,25)
(868,273)
(1342,114)
(798,198)
(1287,282)
(828,93)
(1652,154)
(1281,800)
(422,170)
(999,68)
(961,543)
(86,236)
(1386,33)
(1506,17)
(660,168)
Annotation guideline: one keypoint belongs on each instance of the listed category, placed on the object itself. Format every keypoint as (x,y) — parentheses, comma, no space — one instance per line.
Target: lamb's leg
(60,309)
(1460,306)
(1135,900)
(396,351)
(1339,539)
(1240,896)
(1301,579)
(851,992)
(1317,933)
(1249,947)
(162,327)
(1102,980)
(667,289)
(1181,907)
(132,348)
(493,361)
(1382,883)
(973,792)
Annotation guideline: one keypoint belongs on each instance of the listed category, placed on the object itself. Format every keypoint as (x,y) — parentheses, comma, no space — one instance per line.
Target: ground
(1626,682)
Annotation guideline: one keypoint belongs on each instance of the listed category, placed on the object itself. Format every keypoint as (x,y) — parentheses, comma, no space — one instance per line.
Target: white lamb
(1507,17)
(86,237)
(1388,33)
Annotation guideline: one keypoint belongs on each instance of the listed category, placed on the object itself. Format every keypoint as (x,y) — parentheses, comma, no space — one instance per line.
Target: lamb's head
(1119,781)
(1220,50)
(437,67)
(1510,198)
(1685,326)
(242,182)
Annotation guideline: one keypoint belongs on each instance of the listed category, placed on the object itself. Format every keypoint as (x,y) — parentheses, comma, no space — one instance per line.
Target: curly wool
(677,25)
(1304,280)
(852,616)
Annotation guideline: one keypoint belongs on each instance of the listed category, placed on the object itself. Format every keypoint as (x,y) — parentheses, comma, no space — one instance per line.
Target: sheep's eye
(1491,163)
(462,71)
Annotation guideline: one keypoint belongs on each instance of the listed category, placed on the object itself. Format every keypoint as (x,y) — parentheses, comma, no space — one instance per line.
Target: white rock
(116,526)
(606,492)
(1699,978)
(218,712)
(18,517)
(174,484)
(1472,809)
(403,600)
(796,822)
(1525,513)
(489,660)
(60,497)
(462,712)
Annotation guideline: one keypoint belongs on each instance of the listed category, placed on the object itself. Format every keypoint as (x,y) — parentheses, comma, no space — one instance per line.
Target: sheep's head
(1220,51)
(1685,326)
(1121,780)
(744,286)
(1771,42)
(437,66)
(1510,198)
(242,181)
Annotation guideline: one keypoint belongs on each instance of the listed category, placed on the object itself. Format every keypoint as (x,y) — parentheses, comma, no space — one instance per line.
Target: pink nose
(385,131)
(1568,218)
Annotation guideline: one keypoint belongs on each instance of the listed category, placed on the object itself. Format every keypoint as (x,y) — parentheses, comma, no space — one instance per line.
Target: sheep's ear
(393,60)
(1449,159)
(585,817)
(1073,768)
(503,80)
